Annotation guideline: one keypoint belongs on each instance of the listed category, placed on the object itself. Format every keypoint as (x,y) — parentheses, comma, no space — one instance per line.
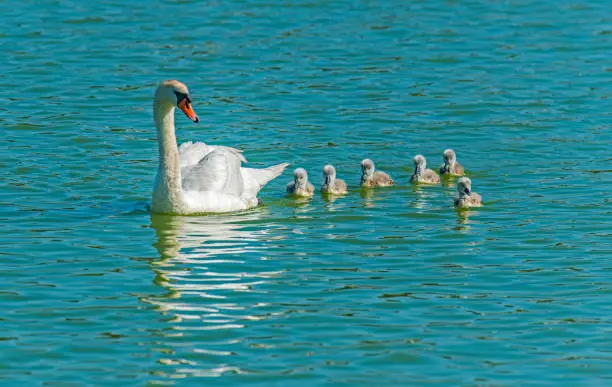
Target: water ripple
(378,286)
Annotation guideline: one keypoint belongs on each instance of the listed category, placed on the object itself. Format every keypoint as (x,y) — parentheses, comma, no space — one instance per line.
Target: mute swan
(372,178)
(466,197)
(422,174)
(451,166)
(195,177)
(300,186)
(331,185)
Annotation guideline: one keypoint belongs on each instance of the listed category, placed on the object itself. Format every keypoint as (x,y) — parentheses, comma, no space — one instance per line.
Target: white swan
(198,178)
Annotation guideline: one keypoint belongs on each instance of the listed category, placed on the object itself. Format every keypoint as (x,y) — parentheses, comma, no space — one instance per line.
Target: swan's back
(192,152)
(218,169)
(381,179)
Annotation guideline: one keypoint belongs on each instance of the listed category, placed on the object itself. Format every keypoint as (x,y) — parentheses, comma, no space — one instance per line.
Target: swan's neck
(448,166)
(167,195)
(418,170)
(366,175)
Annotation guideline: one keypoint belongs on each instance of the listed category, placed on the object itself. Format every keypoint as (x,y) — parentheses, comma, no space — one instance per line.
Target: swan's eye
(181,96)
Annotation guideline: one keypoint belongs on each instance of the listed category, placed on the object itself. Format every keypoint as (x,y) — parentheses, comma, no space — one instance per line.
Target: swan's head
(174,93)
(464,186)
(367,167)
(419,162)
(449,156)
(300,177)
(329,174)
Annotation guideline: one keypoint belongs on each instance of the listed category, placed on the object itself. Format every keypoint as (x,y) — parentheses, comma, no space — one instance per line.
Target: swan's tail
(255,179)
(263,176)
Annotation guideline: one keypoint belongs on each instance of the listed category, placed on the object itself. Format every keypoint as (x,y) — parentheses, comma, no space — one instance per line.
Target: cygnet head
(449,156)
(367,167)
(329,170)
(300,177)
(419,162)
(329,174)
(464,186)
(174,93)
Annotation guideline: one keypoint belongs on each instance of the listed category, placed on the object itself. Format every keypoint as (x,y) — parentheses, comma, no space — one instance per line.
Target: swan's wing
(255,179)
(234,151)
(310,188)
(191,153)
(459,170)
(341,186)
(430,175)
(382,178)
(219,171)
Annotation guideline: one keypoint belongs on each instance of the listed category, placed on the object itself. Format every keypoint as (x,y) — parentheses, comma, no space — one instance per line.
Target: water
(388,287)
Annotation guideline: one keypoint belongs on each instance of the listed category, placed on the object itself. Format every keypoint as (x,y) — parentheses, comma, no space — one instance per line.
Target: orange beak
(185,106)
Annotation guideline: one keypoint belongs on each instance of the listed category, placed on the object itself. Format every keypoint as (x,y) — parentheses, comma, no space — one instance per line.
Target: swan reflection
(463,218)
(204,263)
(213,272)
(423,197)
(187,239)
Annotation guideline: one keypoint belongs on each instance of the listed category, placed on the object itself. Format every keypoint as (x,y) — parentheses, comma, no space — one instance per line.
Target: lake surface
(386,287)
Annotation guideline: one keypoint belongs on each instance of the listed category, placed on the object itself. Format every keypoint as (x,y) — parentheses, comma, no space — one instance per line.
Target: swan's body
(195,177)
(466,197)
(451,166)
(300,186)
(422,174)
(371,178)
(332,185)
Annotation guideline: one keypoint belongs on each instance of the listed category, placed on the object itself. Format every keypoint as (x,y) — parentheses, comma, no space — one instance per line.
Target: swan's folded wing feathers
(218,171)
(191,153)
(431,176)
(236,152)
(382,179)
(341,186)
(310,188)
(459,170)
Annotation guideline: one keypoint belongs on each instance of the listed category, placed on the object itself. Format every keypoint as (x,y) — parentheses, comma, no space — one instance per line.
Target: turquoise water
(387,287)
